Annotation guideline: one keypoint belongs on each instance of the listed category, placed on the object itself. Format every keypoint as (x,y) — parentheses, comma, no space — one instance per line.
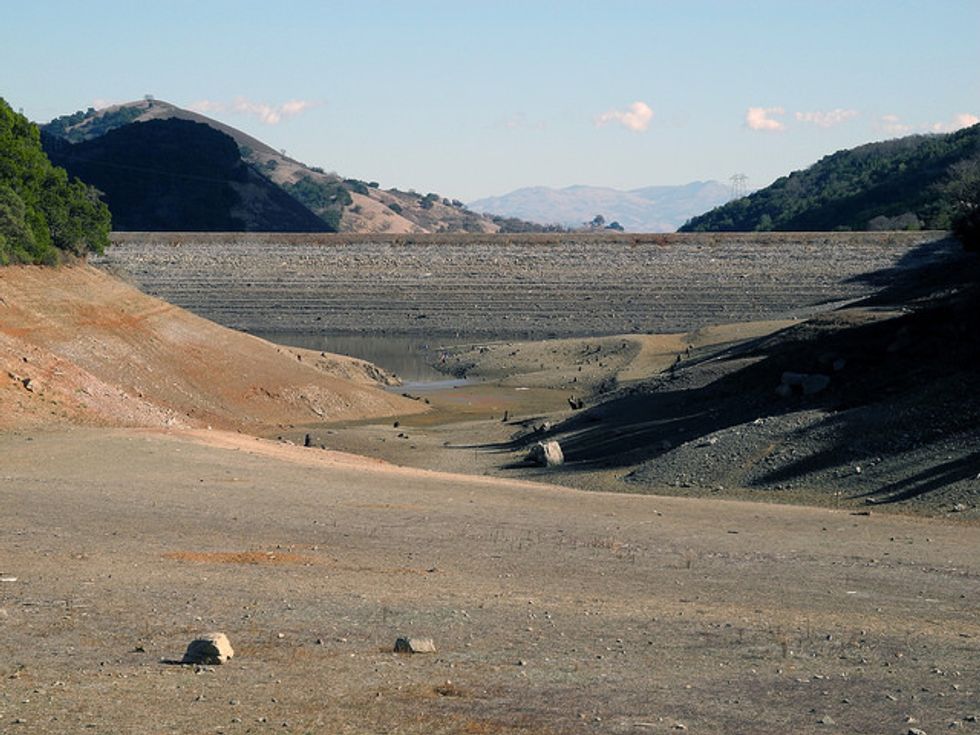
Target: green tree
(964,188)
(42,213)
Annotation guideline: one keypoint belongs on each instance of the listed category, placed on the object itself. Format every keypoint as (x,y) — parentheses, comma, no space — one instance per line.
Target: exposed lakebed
(511,286)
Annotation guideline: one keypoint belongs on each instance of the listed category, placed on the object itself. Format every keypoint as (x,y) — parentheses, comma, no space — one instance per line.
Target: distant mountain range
(650,209)
(911,183)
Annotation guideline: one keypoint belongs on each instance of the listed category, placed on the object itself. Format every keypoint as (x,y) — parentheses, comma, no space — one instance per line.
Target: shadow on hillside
(920,270)
(913,374)
(928,480)
(642,423)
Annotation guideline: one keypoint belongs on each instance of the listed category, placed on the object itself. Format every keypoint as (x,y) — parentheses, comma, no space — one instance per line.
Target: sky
(475,98)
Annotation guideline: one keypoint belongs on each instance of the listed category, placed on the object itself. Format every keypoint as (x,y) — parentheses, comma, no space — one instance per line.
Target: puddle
(421,386)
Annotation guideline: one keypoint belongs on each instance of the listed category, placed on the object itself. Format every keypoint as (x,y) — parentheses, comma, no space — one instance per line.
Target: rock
(547,454)
(791,378)
(813,384)
(209,649)
(915,731)
(415,645)
(826,720)
(809,383)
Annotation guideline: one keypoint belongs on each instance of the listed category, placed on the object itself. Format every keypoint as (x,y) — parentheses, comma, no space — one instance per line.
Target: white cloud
(760,118)
(636,117)
(893,125)
(963,120)
(295,107)
(826,119)
(268,114)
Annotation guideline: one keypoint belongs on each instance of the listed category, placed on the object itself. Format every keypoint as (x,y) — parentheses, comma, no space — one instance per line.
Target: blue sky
(471,99)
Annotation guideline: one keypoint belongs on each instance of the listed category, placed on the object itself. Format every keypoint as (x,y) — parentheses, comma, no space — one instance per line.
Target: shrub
(966,227)
(358,187)
(964,187)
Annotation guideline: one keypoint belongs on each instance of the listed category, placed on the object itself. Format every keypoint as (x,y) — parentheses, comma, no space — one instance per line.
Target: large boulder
(209,649)
(547,454)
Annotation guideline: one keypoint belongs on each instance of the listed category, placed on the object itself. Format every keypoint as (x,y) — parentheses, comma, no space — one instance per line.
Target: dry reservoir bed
(531,286)
(553,611)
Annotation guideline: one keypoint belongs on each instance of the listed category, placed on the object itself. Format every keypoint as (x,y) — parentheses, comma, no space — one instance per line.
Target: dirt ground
(552,610)
(128,527)
(78,346)
(891,424)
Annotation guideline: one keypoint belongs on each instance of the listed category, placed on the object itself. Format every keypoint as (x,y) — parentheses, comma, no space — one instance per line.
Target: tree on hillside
(42,213)
(895,184)
(964,188)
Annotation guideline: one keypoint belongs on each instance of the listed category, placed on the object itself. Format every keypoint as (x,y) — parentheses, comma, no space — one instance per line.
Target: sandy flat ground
(553,610)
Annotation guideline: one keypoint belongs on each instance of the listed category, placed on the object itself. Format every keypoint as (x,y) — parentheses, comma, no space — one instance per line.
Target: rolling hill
(346,205)
(906,183)
(161,173)
(650,209)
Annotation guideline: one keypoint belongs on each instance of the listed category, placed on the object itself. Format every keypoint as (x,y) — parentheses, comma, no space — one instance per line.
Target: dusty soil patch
(265,558)
(629,614)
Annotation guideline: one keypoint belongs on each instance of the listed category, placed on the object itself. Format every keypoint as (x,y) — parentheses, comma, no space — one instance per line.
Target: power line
(740,185)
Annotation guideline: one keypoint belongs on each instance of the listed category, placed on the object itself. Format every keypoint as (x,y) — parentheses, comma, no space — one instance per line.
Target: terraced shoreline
(527,286)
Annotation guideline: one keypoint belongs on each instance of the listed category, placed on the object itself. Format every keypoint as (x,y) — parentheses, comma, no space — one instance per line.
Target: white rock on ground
(415,645)
(547,454)
(209,649)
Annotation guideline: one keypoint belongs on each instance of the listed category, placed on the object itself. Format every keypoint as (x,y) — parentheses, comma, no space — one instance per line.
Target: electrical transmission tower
(739,185)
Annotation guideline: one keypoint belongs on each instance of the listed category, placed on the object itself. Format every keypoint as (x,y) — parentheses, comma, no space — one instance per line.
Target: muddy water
(410,358)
